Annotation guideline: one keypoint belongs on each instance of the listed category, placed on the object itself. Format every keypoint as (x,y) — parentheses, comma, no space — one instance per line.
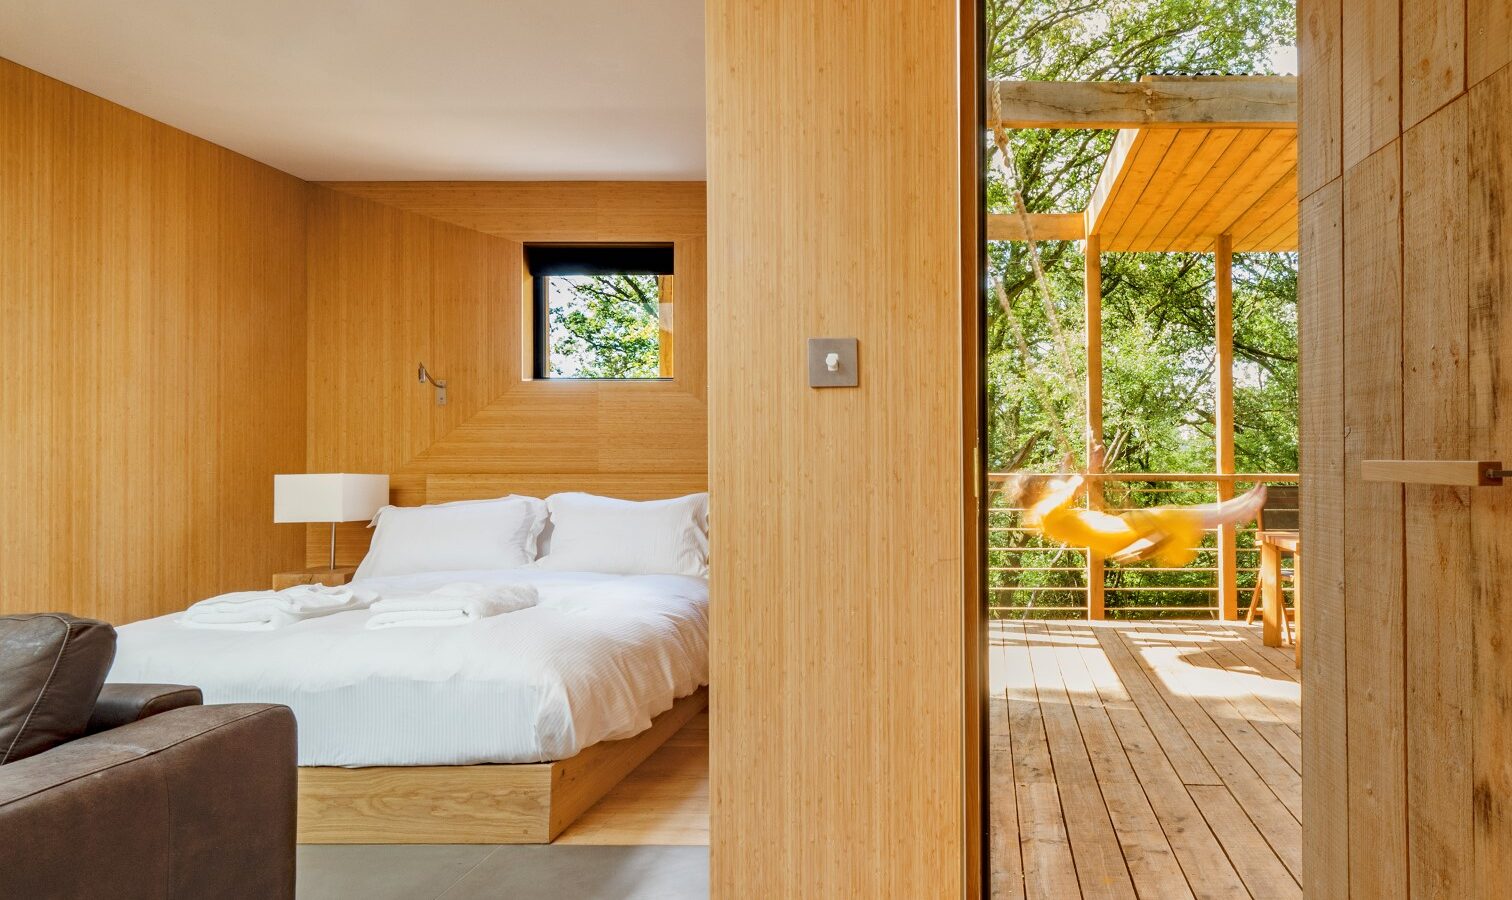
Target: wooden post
(1092,288)
(1228,576)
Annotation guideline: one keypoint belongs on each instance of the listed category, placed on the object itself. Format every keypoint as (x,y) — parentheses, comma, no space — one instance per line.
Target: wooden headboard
(630,486)
(352,538)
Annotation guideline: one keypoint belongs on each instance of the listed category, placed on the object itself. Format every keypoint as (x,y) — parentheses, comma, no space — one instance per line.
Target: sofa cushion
(51,669)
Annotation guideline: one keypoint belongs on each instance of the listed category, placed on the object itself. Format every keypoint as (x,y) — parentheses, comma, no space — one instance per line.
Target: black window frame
(545,261)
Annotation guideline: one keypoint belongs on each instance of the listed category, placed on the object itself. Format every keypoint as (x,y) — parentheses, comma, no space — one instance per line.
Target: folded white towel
(454,604)
(264,610)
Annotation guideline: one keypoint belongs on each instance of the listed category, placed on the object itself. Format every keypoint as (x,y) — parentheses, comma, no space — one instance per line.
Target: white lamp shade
(328,498)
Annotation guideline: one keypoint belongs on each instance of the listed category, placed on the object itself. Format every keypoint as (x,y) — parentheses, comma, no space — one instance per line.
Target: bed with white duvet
(595,660)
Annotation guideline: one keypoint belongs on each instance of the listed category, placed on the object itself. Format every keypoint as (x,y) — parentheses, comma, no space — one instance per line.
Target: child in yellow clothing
(1166,534)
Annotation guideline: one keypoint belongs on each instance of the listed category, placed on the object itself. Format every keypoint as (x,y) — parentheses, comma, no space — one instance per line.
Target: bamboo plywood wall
(152,331)
(839,657)
(1406,281)
(405,273)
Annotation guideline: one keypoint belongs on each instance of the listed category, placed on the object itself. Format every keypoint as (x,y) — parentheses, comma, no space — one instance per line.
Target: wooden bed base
(485,804)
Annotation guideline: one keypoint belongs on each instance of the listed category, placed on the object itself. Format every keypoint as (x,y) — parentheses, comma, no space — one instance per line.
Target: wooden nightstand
(316,575)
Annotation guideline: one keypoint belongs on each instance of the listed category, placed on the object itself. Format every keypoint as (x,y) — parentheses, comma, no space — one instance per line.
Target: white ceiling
(333,90)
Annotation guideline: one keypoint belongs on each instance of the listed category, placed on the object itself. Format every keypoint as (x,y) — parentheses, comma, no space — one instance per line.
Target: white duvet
(595,660)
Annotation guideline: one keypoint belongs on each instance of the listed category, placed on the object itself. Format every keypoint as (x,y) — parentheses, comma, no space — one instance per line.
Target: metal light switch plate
(832,362)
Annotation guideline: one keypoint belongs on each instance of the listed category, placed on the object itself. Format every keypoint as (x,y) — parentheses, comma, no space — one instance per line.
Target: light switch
(832,362)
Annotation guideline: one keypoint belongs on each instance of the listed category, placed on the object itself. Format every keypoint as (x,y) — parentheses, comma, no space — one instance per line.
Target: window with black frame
(601,311)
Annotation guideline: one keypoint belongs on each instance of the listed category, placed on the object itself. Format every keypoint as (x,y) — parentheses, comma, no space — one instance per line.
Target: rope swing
(1168,535)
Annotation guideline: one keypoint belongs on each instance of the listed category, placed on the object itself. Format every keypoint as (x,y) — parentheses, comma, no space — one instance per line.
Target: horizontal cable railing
(1031,577)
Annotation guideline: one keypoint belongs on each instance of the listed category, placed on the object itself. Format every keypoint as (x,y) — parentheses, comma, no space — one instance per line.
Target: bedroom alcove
(213,299)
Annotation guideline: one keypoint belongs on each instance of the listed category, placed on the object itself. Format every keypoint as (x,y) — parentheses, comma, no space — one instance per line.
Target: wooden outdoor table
(1273,605)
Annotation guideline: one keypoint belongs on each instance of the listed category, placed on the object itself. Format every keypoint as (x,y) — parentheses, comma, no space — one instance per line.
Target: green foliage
(1158,310)
(605,326)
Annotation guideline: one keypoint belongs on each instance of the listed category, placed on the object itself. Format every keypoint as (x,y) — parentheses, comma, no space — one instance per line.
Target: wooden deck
(1144,759)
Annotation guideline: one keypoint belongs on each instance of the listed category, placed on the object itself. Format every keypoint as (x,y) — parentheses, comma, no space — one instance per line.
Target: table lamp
(329,498)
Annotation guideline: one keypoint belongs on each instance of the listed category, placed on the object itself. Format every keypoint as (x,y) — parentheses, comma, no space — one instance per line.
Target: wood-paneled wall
(839,654)
(152,336)
(1406,325)
(403,273)
(181,323)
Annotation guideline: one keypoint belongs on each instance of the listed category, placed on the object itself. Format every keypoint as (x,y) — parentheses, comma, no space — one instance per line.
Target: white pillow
(627,537)
(466,535)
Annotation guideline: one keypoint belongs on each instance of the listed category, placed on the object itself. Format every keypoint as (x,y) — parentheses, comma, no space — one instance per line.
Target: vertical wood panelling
(1325,760)
(1372,74)
(152,294)
(1488,38)
(1439,562)
(1489,238)
(404,273)
(837,652)
(1424,667)
(1320,96)
(389,290)
(1433,56)
(1373,526)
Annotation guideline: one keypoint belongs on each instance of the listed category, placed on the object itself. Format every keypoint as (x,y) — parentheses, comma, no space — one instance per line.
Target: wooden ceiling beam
(1261,101)
(1045,227)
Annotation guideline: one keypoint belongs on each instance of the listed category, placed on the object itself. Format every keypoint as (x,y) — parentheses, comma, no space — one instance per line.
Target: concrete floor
(473,872)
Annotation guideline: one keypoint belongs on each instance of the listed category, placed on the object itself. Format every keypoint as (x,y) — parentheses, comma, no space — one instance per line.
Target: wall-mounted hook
(439,385)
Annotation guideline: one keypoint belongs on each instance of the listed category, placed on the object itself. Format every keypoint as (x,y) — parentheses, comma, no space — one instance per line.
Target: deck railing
(1029,577)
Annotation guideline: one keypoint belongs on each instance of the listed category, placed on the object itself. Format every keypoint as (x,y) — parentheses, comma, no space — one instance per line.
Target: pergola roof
(1170,189)
(1195,158)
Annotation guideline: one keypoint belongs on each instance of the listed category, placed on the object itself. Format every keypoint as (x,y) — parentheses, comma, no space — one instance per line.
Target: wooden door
(1406,326)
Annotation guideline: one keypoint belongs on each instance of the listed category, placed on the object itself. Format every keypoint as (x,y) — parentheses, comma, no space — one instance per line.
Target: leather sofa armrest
(122,704)
(191,803)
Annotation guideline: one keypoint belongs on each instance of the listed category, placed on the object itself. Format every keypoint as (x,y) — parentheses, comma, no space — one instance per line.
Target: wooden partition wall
(152,342)
(839,723)
(404,273)
(1406,329)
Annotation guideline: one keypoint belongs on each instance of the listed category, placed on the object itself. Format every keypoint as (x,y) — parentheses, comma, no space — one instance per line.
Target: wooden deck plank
(1098,856)
(1146,849)
(1253,697)
(1280,656)
(1281,693)
(1181,665)
(1271,814)
(1048,868)
(1244,643)
(1263,873)
(1210,875)
(1187,758)
(1007,862)
(1100,806)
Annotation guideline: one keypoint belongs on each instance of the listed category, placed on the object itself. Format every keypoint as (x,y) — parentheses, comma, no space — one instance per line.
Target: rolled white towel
(264,610)
(454,604)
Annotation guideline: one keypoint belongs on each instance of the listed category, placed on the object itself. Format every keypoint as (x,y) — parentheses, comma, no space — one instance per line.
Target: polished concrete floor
(473,872)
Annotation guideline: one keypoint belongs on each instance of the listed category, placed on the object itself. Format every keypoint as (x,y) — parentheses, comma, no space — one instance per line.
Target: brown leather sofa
(134,791)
